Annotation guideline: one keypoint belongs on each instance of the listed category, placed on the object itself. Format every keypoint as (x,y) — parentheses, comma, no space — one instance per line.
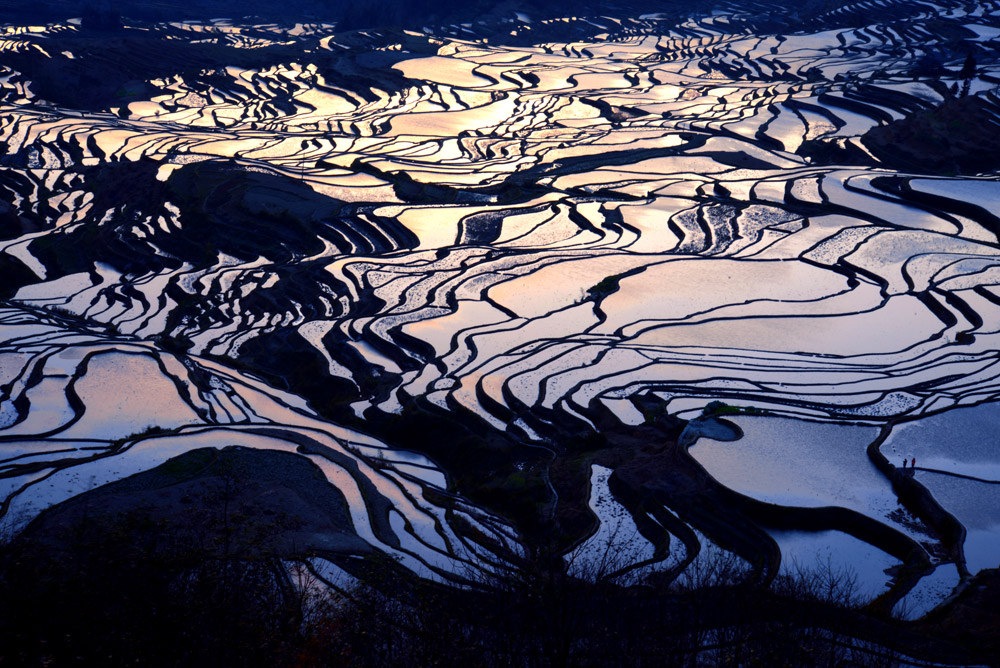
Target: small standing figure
(913,463)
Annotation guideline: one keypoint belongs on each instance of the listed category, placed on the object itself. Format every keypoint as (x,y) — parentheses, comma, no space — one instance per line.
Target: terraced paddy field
(655,285)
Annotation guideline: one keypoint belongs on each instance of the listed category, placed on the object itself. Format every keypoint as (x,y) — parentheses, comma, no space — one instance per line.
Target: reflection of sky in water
(977,506)
(982,193)
(930,591)
(152,452)
(799,463)
(8,414)
(836,554)
(902,322)
(962,440)
(11,365)
(125,394)
(49,408)
(617,540)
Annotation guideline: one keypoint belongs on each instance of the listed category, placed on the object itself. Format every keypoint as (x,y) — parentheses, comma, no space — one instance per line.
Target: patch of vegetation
(718,408)
(607,285)
(151,430)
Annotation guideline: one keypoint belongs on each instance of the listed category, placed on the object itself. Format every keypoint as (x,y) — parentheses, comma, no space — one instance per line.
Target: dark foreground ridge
(207,558)
(211,556)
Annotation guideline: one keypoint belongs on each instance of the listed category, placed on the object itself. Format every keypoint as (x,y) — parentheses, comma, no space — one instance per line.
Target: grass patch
(148,431)
(717,408)
(607,285)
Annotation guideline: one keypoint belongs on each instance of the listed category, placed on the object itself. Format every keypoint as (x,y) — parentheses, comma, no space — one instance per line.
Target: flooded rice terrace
(480,275)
